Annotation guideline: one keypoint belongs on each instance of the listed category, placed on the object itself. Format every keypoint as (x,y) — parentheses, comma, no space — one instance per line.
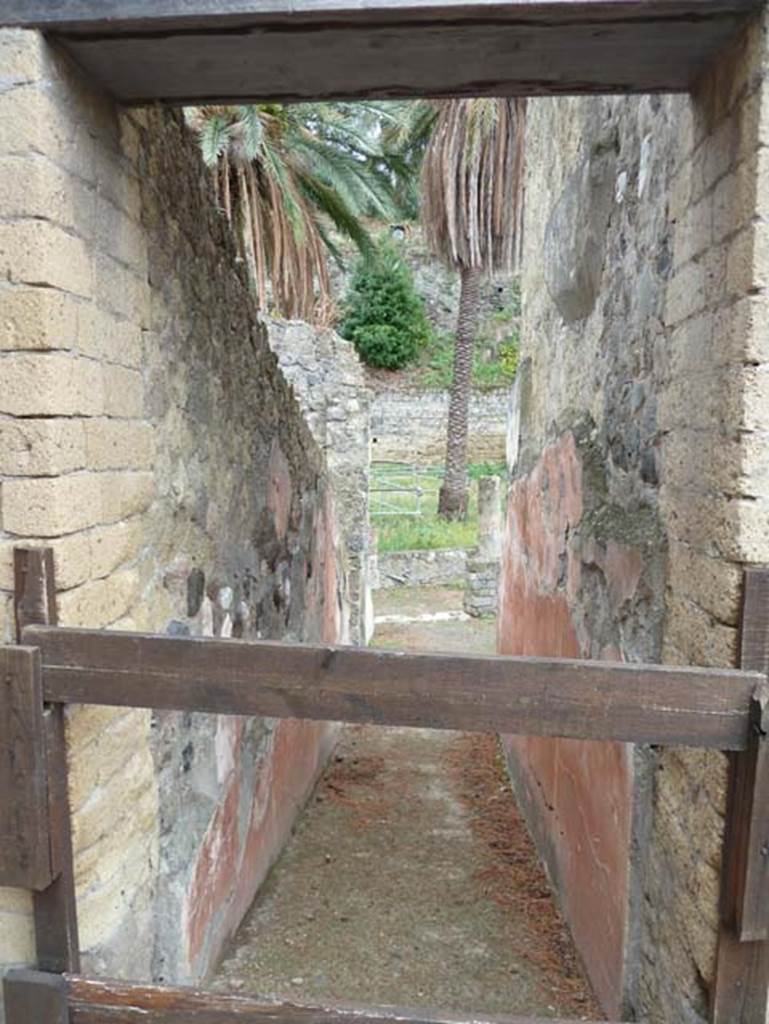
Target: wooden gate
(51,667)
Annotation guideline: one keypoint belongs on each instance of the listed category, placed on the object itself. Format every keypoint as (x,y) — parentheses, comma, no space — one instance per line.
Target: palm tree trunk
(452,500)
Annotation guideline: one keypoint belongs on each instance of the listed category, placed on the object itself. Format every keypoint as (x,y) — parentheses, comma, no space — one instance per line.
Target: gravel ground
(410,878)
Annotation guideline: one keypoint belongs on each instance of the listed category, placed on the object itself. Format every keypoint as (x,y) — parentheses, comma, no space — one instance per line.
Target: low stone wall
(481,586)
(328,381)
(410,426)
(439,568)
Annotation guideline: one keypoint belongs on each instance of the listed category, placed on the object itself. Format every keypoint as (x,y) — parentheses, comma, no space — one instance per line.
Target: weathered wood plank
(34,592)
(741,988)
(55,907)
(528,696)
(114,1002)
(24,831)
(31,997)
(133,15)
(222,50)
(745,890)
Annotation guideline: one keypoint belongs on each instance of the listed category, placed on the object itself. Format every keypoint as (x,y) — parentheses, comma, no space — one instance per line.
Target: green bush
(384,317)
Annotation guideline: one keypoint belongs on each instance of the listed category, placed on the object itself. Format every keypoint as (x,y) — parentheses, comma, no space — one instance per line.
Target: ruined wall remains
(639,490)
(148,436)
(329,382)
(438,567)
(410,426)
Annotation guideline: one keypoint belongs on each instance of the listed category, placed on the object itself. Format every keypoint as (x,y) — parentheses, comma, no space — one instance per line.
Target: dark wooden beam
(527,696)
(55,906)
(115,1002)
(741,986)
(32,997)
(25,859)
(196,51)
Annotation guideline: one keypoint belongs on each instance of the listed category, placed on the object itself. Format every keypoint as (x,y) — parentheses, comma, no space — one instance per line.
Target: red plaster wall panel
(578,795)
(236,854)
(229,872)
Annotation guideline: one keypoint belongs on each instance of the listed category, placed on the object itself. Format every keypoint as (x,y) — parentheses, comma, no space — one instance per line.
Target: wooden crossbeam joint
(32,997)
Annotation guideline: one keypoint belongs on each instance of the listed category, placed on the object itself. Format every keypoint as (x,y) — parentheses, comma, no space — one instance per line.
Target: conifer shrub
(383,316)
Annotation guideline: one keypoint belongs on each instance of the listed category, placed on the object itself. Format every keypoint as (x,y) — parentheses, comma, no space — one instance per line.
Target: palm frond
(472,183)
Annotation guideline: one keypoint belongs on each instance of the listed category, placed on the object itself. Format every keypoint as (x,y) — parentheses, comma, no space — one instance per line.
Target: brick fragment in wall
(38,318)
(35,252)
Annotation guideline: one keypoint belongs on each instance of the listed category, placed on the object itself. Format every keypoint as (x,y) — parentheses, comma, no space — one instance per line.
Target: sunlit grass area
(414,490)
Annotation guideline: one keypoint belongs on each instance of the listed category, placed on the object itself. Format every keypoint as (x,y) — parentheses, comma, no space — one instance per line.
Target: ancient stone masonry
(639,490)
(148,436)
(482,581)
(410,426)
(330,386)
(429,568)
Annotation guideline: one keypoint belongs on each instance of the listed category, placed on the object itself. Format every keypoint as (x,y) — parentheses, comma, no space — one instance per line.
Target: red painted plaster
(580,792)
(236,854)
(279,489)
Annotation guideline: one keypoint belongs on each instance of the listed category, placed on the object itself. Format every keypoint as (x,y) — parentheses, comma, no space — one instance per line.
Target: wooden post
(741,991)
(34,998)
(55,910)
(25,860)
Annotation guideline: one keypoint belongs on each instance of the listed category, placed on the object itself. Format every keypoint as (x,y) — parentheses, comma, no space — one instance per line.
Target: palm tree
(471,188)
(285,175)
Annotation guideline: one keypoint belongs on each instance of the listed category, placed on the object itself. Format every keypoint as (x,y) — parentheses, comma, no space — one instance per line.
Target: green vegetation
(384,317)
(285,174)
(495,359)
(425,531)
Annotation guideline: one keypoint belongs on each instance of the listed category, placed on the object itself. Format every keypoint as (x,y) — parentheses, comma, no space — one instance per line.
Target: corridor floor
(410,878)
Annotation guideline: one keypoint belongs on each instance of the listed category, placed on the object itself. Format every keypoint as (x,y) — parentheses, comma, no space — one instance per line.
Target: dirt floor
(411,879)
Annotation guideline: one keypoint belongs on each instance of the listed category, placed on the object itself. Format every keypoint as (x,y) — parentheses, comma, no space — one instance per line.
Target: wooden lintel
(207,51)
(525,696)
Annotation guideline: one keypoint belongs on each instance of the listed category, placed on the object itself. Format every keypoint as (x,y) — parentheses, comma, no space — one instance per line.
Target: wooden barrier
(532,696)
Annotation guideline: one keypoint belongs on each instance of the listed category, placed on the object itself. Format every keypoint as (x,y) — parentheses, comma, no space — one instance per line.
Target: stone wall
(439,568)
(410,426)
(330,385)
(148,436)
(639,490)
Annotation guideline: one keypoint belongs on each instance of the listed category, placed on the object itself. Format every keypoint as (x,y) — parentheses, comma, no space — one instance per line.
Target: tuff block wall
(410,426)
(639,491)
(148,436)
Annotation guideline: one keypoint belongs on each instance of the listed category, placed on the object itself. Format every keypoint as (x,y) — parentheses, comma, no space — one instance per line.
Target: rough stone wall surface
(330,386)
(148,436)
(639,489)
(437,568)
(410,426)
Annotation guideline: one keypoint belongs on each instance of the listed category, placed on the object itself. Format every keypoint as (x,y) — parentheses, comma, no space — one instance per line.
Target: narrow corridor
(410,879)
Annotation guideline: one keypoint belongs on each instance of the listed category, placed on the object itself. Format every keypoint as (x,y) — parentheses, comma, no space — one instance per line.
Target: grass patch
(418,527)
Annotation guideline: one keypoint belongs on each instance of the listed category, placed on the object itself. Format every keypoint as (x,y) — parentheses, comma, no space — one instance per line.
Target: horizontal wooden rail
(115,1002)
(528,696)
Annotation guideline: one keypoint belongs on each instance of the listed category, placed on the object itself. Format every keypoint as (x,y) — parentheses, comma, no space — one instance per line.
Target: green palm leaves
(288,177)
